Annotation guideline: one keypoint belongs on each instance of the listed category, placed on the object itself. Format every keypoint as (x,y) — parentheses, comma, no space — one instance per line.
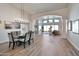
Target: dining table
(20,37)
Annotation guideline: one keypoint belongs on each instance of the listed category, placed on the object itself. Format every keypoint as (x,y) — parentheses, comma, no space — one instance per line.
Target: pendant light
(22,12)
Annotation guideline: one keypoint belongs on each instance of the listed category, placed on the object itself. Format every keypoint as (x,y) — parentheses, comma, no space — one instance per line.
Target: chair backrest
(11,39)
(27,35)
(31,35)
(9,35)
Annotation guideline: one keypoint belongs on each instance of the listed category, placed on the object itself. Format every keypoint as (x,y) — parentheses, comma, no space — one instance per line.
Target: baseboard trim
(4,43)
(74,47)
(73,44)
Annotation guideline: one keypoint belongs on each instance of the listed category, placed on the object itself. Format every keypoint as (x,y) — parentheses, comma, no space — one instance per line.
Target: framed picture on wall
(12,25)
(75,26)
(70,25)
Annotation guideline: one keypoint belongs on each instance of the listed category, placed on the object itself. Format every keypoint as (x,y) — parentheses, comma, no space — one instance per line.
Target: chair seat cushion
(22,40)
(14,40)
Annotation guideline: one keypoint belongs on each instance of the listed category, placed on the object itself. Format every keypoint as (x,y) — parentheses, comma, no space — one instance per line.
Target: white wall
(74,15)
(8,12)
(3,33)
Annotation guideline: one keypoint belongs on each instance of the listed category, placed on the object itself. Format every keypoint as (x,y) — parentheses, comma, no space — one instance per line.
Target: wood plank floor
(44,45)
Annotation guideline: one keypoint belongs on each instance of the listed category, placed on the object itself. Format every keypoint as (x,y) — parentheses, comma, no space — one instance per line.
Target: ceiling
(34,8)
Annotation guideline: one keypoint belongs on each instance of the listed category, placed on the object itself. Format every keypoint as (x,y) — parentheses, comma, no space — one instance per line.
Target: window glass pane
(46,27)
(40,27)
(56,27)
(45,21)
(70,25)
(56,20)
(52,27)
(75,27)
(50,21)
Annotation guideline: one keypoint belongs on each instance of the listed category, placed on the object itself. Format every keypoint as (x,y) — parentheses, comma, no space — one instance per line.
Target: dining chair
(25,39)
(32,36)
(12,40)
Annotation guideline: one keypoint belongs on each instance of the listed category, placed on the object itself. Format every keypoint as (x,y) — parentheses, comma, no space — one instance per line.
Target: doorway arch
(43,23)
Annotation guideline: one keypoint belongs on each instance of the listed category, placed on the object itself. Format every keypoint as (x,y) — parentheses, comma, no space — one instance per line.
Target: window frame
(70,24)
(77,24)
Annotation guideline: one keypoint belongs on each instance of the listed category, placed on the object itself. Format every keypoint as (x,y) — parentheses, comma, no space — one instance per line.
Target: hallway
(44,45)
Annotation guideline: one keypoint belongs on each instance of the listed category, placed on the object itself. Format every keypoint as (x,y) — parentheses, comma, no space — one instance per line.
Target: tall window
(75,26)
(70,25)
